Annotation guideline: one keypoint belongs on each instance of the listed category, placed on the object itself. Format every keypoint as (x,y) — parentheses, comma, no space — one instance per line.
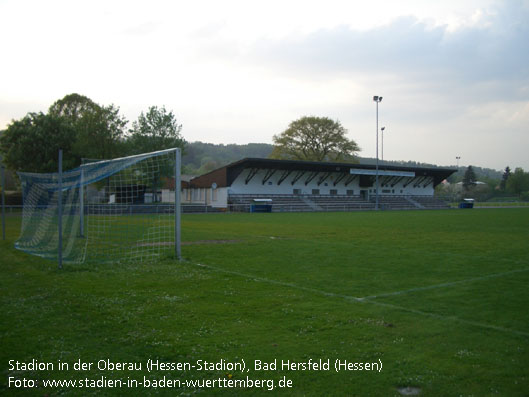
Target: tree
(504,178)
(100,130)
(32,144)
(155,130)
(75,123)
(469,179)
(481,191)
(101,134)
(518,182)
(73,107)
(314,139)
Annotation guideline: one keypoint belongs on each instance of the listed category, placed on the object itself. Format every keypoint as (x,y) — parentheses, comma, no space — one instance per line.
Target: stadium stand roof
(225,176)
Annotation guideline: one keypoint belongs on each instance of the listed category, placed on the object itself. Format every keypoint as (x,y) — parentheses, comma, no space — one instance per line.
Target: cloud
(492,52)
(142,29)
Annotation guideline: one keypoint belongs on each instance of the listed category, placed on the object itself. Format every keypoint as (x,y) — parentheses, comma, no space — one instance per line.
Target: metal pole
(59,202)
(177,184)
(382,132)
(3,181)
(376,193)
(81,203)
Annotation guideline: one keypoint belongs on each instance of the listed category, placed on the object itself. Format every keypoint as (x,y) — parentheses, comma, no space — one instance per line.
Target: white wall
(168,196)
(219,197)
(255,186)
(206,196)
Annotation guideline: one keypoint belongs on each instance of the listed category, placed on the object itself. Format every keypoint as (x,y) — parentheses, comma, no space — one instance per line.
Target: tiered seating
(394,203)
(198,208)
(292,203)
(432,203)
(341,203)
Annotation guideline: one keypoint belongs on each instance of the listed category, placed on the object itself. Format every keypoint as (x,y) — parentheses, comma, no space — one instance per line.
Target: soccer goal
(125,209)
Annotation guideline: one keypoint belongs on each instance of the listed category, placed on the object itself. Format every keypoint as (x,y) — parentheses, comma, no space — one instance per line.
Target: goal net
(113,210)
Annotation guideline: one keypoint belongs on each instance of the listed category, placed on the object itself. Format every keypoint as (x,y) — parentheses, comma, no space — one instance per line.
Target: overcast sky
(454,75)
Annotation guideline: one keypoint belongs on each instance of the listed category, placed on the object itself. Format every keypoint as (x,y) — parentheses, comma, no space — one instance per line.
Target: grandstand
(297,186)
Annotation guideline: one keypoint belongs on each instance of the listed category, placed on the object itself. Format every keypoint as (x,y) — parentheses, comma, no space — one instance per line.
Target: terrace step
(415,203)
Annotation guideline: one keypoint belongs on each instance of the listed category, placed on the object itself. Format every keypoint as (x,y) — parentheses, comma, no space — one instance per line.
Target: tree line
(483,186)
(84,129)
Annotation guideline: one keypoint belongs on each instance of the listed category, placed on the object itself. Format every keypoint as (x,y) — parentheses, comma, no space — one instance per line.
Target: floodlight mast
(382,131)
(377,99)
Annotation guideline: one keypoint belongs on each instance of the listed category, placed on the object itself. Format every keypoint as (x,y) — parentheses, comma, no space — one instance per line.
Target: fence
(133,209)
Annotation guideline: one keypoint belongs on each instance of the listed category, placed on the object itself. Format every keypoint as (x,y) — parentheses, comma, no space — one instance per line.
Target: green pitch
(437,298)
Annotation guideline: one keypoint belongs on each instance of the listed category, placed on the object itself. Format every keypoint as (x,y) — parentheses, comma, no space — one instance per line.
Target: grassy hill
(200,157)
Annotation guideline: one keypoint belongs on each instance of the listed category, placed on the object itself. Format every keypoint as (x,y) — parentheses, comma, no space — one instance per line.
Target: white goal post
(104,211)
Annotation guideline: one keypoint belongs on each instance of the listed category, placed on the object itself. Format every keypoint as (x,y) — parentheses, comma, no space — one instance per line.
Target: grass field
(440,298)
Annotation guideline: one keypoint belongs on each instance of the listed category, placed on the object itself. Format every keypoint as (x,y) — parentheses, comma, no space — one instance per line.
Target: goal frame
(66,183)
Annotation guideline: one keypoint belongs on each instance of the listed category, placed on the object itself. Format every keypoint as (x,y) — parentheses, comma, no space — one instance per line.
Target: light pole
(382,130)
(377,99)
(458,158)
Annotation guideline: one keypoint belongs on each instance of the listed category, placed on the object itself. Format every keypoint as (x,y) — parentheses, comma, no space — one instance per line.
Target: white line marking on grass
(367,300)
(453,318)
(449,284)
(282,283)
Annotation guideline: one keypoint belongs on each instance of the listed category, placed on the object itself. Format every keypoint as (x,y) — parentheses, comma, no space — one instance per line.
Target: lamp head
(377,98)
(383,128)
